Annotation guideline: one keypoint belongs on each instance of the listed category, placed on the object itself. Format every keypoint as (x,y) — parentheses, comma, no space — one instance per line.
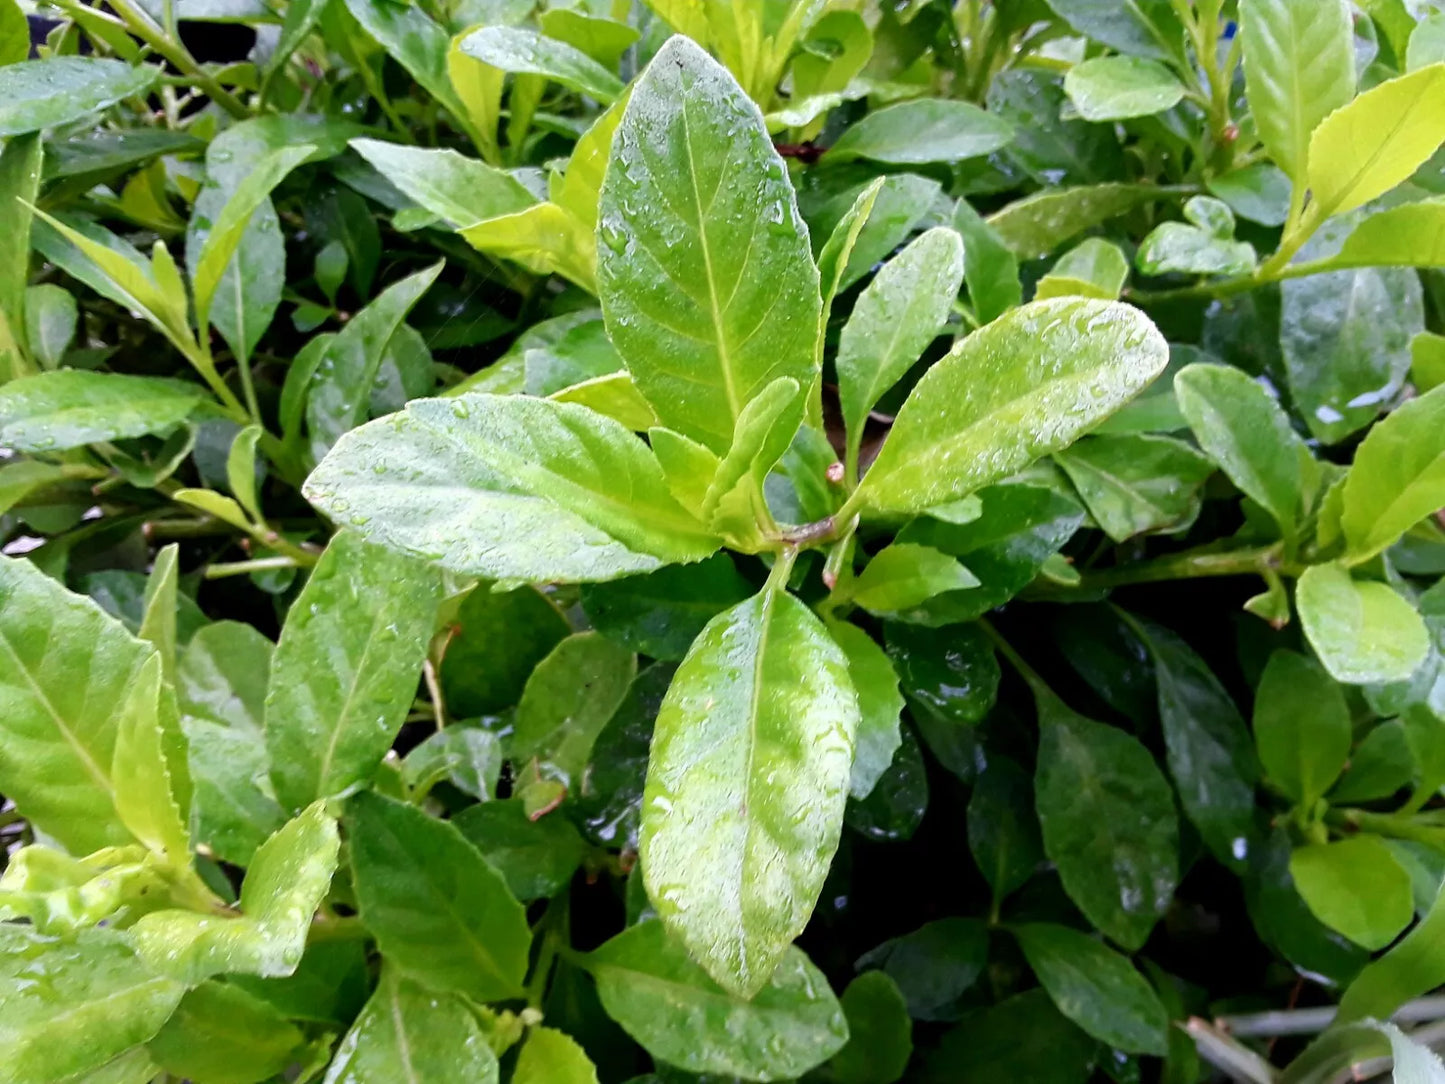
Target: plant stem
(141,25)
(242,568)
(1388,824)
(1180,566)
(349,928)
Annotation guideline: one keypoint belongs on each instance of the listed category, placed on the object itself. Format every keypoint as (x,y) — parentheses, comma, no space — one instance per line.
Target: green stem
(782,568)
(242,568)
(349,928)
(141,25)
(1388,824)
(1004,648)
(1180,566)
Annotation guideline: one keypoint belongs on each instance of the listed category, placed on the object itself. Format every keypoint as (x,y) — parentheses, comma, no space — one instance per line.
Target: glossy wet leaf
(50,412)
(1025,386)
(536,857)
(1301,727)
(20,168)
(1092,268)
(1133,483)
(467,757)
(408,34)
(461,190)
(95,1000)
(145,798)
(459,482)
(880,1039)
(1246,432)
(437,909)
(1038,224)
(499,637)
(346,668)
(1355,886)
(1003,830)
(285,883)
(610,803)
(704,273)
(650,986)
(935,966)
(1398,477)
(748,776)
(517,50)
(44,93)
(880,706)
(905,575)
(1118,87)
(1095,987)
(1021,1038)
(923,130)
(408,1031)
(1108,822)
(65,670)
(1362,630)
(1136,27)
(566,703)
(223,1035)
(954,676)
(734,505)
(1299,66)
(1178,248)
(661,613)
(895,806)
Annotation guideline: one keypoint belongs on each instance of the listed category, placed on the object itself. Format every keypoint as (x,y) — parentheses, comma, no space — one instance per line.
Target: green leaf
(37,94)
(20,161)
(566,703)
(1108,822)
(51,412)
(704,272)
(750,766)
(223,1035)
(508,488)
(1368,147)
(537,857)
(1136,482)
(1380,765)
(51,316)
(956,680)
(438,910)
(500,636)
(1299,67)
(923,130)
(407,34)
(837,251)
(1410,235)
(552,1057)
(1003,830)
(1345,337)
(1036,225)
(880,706)
(65,671)
(241,470)
(345,670)
(1241,427)
(895,806)
(544,239)
(1108,88)
(610,805)
(468,757)
(1413,967)
(894,319)
(1362,630)
(668,1004)
(1355,886)
(1176,248)
(906,575)
(14,33)
(734,505)
(341,389)
(989,266)
(461,190)
(286,881)
(1137,27)
(144,798)
(410,1032)
(1258,192)
(1092,268)
(160,601)
(514,49)
(1021,1038)
(1398,477)
(70,1006)
(1210,755)
(935,966)
(1301,727)
(880,1035)
(1096,988)
(1054,369)
(661,613)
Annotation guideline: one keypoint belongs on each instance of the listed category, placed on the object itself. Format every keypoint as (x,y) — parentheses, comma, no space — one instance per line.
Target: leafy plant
(534,532)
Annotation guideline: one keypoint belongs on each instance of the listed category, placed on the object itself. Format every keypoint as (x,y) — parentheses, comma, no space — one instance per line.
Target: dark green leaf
(934,966)
(611,800)
(1138,27)
(953,675)
(1301,727)
(1022,1038)
(1136,482)
(537,857)
(499,637)
(1003,830)
(880,1038)
(223,1035)
(660,614)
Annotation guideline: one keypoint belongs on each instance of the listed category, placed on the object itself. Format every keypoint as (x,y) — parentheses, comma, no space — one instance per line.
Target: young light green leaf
(906,575)
(1301,727)
(508,488)
(1092,268)
(704,272)
(341,389)
(1355,886)
(921,131)
(284,885)
(346,668)
(1136,482)
(461,190)
(894,319)
(50,412)
(158,620)
(410,1032)
(1109,88)
(737,879)
(1108,821)
(734,505)
(241,470)
(144,800)
(438,910)
(550,1056)
(1245,431)
(93,1001)
(1368,147)
(1398,477)
(1362,630)
(223,1035)
(1095,987)
(1410,235)
(36,94)
(545,239)
(516,49)
(1177,248)
(1024,386)
(880,706)
(837,250)
(20,162)
(566,703)
(14,33)
(667,1003)
(65,670)
(1413,967)
(1299,67)
(989,266)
